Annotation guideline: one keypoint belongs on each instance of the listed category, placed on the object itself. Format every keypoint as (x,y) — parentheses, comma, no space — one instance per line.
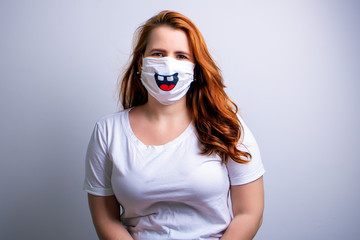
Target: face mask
(167,79)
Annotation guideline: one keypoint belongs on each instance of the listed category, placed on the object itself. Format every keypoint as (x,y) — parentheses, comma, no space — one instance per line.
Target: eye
(157,54)
(180,56)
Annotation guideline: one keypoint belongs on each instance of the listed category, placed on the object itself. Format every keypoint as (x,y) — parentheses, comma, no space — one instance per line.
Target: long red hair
(214,114)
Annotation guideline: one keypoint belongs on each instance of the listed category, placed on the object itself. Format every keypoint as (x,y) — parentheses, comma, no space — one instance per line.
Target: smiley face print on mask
(166,82)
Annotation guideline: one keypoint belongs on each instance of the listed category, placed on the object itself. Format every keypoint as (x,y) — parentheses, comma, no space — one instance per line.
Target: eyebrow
(182,52)
(157,50)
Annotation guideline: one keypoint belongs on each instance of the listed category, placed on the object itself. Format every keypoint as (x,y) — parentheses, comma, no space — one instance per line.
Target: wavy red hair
(214,114)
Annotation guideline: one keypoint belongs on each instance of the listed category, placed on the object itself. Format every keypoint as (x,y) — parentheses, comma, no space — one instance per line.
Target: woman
(163,168)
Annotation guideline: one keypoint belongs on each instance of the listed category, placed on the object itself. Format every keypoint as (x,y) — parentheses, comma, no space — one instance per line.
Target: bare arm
(248,205)
(105,212)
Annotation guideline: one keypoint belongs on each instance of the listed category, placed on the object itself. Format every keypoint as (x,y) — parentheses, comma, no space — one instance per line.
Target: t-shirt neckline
(189,129)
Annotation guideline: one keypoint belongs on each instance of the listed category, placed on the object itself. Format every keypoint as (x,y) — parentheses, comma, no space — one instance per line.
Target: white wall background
(293,68)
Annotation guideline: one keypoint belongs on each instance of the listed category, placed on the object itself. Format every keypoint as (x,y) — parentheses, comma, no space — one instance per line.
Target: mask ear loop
(197,70)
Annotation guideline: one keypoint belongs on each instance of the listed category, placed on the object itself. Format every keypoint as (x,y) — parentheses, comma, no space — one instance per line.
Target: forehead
(168,38)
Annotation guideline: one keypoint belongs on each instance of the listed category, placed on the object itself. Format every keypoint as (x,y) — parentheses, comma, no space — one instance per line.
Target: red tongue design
(165,87)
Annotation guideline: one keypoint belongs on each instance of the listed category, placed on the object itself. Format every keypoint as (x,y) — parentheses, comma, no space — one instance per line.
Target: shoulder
(113,118)
(112,124)
(247,138)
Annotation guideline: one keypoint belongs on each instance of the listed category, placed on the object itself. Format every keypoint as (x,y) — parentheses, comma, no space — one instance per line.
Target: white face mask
(167,79)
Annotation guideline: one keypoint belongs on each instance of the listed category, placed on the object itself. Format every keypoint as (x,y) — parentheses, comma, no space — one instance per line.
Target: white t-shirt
(169,191)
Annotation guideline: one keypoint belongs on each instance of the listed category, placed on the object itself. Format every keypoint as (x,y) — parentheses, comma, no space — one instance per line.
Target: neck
(155,111)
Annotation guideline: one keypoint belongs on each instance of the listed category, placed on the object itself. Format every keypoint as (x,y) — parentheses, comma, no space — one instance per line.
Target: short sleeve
(98,166)
(240,174)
